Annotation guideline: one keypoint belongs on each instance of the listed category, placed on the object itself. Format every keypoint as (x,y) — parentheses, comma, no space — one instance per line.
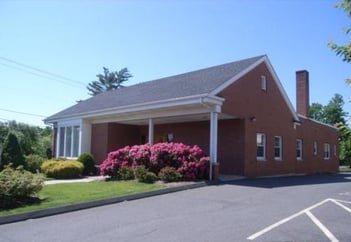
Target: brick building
(238,113)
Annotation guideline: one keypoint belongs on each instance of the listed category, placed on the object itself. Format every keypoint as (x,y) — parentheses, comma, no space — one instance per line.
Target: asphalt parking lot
(303,208)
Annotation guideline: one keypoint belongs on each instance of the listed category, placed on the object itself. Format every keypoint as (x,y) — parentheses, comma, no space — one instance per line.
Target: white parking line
(269,228)
(338,202)
(306,211)
(321,226)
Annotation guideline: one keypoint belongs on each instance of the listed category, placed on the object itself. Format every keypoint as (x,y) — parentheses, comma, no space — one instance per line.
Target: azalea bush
(190,161)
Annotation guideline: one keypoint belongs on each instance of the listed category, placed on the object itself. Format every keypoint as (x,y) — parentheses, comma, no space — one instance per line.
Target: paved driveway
(312,208)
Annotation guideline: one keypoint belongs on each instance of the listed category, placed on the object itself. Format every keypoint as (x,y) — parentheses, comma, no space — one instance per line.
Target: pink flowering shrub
(189,161)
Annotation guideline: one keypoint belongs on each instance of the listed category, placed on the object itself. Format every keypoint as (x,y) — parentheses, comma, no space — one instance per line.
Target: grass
(345,169)
(70,193)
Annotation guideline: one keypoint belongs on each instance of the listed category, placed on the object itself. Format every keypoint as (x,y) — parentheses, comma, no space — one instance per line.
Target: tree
(317,112)
(344,51)
(12,152)
(108,81)
(332,114)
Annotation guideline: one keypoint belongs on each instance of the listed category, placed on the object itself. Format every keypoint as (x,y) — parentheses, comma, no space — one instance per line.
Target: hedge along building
(238,113)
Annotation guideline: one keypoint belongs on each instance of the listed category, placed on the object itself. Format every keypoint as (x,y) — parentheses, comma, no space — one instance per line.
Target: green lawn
(70,193)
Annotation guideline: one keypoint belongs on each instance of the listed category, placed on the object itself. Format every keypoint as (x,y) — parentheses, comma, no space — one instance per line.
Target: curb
(79,206)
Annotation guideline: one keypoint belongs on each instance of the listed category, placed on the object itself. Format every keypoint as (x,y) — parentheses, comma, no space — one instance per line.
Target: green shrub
(17,186)
(125,173)
(34,162)
(169,174)
(144,175)
(12,153)
(89,164)
(62,169)
(148,177)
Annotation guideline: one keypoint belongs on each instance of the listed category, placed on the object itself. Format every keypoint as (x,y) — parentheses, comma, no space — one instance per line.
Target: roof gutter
(203,99)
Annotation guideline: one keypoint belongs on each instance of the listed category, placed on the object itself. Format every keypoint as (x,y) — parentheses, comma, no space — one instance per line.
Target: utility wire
(49,75)
(36,74)
(29,114)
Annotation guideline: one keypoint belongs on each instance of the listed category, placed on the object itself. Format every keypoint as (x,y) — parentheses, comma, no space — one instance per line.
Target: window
(261,146)
(299,149)
(315,148)
(263,83)
(326,151)
(68,141)
(278,147)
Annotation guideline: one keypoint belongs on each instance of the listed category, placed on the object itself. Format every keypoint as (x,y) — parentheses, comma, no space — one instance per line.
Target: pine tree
(12,152)
(108,81)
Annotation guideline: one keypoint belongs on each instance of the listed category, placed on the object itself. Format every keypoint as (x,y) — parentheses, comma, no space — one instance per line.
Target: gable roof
(201,82)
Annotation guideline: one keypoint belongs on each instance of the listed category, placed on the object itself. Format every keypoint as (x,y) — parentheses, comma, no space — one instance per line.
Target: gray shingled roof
(188,84)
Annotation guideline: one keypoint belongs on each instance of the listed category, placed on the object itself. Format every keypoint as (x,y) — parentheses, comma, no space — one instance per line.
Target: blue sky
(154,39)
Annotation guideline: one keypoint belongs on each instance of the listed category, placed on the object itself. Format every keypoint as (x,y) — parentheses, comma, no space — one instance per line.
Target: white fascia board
(148,107)
(237,77)
(69,122)
(275,78)
(318,122)
(281,88)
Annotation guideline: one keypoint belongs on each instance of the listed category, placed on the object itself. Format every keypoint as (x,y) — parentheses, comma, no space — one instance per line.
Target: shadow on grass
(275,182)
(21,203)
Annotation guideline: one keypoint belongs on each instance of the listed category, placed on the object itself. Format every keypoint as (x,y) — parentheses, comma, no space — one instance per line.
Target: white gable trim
(318,122)
(275,78)
(236,77)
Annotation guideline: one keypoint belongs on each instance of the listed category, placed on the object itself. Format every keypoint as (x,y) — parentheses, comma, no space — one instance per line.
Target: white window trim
(261,158)
(263,83)
(280,157)
(315,148)
(326,151)
(301,149)
(65,124)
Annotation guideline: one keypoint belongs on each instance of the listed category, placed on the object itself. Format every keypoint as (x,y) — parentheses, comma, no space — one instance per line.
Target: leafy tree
(108,81)
(344,51)
(12,152)
(332,113)
(317,112)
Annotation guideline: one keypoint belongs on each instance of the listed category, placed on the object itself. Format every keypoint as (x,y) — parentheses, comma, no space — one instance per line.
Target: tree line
(19,141)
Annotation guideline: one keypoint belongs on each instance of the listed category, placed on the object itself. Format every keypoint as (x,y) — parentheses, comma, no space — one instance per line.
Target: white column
(151,131)
(213,140)
(85,137)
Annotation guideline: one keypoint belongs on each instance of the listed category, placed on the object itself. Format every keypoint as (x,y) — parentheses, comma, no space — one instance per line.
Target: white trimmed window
(299,149)
(261,146)
(326,151)
(263,83)
(68,143)
(278,148)
(315,148)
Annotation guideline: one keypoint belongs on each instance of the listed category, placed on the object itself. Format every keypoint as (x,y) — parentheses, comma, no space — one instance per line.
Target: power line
(29,114)
(36,74)
(49,75)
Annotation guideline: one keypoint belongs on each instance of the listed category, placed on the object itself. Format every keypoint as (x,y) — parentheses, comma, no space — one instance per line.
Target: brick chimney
(302,93)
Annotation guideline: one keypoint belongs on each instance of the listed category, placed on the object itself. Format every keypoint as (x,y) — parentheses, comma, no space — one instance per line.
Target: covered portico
(180,110)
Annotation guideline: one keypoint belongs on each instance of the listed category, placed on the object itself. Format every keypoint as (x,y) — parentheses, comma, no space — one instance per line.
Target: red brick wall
(266,112)
(99,142)
(107,137)
(310,132)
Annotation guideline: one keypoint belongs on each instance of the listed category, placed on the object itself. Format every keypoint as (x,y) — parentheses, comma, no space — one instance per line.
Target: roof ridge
(194,71)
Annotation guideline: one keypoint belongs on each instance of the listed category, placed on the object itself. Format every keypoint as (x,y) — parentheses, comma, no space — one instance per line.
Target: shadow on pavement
(274,182)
